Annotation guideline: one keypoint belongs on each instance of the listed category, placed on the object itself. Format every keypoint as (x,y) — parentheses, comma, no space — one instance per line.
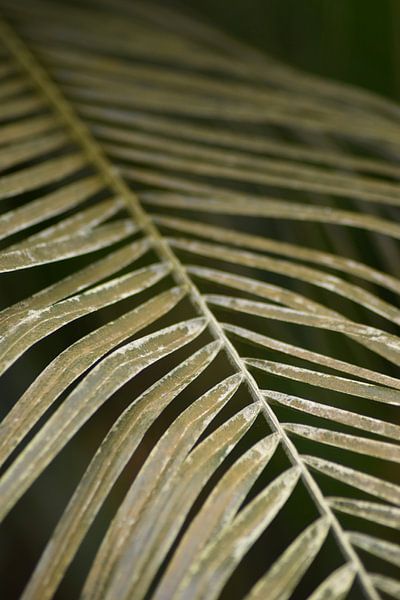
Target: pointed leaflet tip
(251,411)
(337,585)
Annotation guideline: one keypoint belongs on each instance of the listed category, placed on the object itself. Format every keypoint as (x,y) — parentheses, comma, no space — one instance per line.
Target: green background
(355,41)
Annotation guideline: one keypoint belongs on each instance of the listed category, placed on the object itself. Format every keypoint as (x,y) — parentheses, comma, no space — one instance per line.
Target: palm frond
(187,226)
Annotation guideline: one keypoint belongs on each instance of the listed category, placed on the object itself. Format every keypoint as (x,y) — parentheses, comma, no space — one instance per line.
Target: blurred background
(354,41)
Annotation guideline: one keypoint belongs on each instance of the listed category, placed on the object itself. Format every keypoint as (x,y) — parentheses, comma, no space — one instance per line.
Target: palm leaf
(187,227)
